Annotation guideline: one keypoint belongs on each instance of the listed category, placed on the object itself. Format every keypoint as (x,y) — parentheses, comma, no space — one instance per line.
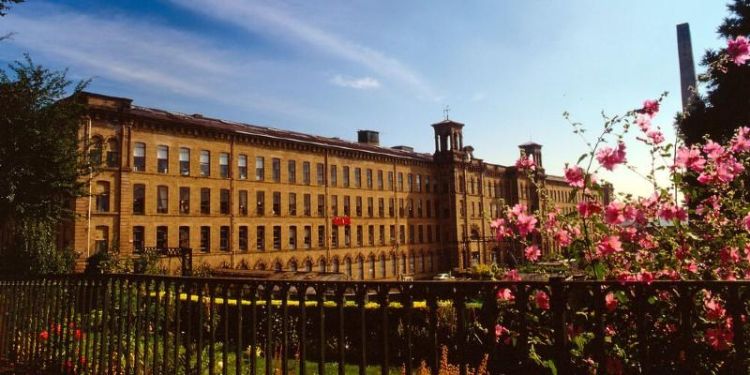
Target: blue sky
(507,69)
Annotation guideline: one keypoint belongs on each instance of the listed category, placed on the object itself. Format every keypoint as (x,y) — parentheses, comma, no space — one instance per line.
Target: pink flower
(656,136)
(713,150)
(690,158)
(501,230)
(608,245)
(518,208)
(562,237)
(729,255)
(610,302)
(746,222)
(714,309)
(609,157)
(532,253)
(738,50)
(505,294)
(645,276)
(525,163)
(78,334)
(542,300)
(643,122)
(719,339)
(587,208)
(741,141)
(613,213)
(650,107)
(574,176)
(44,335)
(526,224)
(500,331)
(691,267)
(513,275)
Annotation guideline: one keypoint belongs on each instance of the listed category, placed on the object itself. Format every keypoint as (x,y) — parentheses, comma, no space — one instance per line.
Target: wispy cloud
(364,83)
(263,18)
(132,51)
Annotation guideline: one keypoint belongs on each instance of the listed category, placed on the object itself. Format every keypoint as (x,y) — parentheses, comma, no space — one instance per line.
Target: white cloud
(364,83)
(262,18)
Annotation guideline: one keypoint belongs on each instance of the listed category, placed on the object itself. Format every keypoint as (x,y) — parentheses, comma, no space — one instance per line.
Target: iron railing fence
(137,324)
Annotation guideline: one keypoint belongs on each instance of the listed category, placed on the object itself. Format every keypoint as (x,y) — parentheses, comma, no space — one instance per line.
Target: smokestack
(687,67)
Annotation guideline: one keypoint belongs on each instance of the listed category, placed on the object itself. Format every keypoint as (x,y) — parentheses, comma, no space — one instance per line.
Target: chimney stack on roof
(369,137)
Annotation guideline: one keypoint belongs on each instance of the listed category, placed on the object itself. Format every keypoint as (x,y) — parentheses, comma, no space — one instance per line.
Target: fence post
(559,325)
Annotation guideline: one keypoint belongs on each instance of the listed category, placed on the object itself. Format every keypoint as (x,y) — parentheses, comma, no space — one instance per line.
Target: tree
(5,5)
(41,165)
(726,104)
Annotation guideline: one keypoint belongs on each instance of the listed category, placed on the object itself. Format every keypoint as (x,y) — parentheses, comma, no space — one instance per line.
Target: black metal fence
(131,324)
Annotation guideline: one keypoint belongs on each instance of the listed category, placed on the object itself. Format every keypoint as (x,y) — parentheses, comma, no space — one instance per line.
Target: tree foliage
(40,164)
(5,5)
(726,104)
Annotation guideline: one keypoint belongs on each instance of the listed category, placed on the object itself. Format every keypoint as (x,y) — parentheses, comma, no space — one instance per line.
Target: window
(321,205)
(276,237)
(260,207)
(358,206)
(334,177)
(401,234)
(224,238)
(184,237)
(260,235)
(462,208)
(162,199)
(242,167)
(139,199)
(224,165)
(161,237)
(113,153)
(380,180)
(322,266)
(392,233)
(347,206)
(428,206)
(102,196)
(292,204)
(411,233)
(371,235)
(390,180)
(382,235)
(347,236)
(334,237)
(307,237)
(139,234)
(348,267)
(139,157)
(306,172)
(242,238)
(418,181)
(345,174)
(419,208)
(184,161)
(335,266)
(292,237)
(334,205)
(101,241)
(276,208)
(420,234)
(243,202)
(370,207)
(260,173)
(400,181)
(292,171)
(410,182)
(357,177)
(205,239)
(321,236)
(276,169)
(205,163)
(426,184)
(321,174)
(401,207)
(381,207)
(359,236)
(307,205)
(224,201)
(410,207)
(368,178)
(391,209)
(205,201)
(429,233)
(162,159)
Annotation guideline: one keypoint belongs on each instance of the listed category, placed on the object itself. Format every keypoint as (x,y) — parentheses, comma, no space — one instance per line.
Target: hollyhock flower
(505,294)
(613,213)
(746,222)
(729,255)
(741,141)
(610,330)
(719,339)
(44,335)
(738,50)
(532,253)
(645,276)
(714,309)
(690,158)
(608,245)
(656,136)
(713,150)
(526,224)
(587,208)
(518,208)
(500,331)
(610,302)
(643,122)
(691,267)
(574,176)
(562,237)
(609,157)
(650,107)
(78,334)
(542,300)
(501,230)
(513,275)
(525,163)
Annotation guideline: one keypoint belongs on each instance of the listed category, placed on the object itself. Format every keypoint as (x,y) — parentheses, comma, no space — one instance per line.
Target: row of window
(493,188)
(372,267)
(372,178)
(476,209)
(422,234)
(406,207)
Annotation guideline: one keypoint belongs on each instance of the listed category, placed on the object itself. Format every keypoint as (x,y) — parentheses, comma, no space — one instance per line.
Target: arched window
(335,265)
(371,269)
(308,266)
(360,268)
(322,266)
(277,267)
(348,266)
(381,266)
(293,265)
(394,264)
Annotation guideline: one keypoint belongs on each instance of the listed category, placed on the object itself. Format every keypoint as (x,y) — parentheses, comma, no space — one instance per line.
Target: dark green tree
(41,166)
(726,104)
